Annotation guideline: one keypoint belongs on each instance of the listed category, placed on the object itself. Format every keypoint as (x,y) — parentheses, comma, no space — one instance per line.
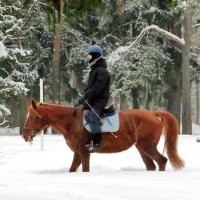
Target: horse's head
(34,122)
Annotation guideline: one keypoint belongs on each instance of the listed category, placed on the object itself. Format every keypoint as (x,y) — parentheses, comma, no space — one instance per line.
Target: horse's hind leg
(160,159)
(75,163)
(150,166)
(152,152)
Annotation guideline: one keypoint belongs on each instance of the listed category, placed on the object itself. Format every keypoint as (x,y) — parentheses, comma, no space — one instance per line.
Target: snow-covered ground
(27,173)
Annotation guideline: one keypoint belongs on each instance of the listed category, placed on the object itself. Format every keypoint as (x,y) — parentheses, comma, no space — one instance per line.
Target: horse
(140,127)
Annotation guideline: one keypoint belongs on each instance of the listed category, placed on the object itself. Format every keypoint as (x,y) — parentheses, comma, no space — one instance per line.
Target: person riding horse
(96,93)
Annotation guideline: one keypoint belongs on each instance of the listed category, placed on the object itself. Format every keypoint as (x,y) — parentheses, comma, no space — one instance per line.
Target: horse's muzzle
(28,137)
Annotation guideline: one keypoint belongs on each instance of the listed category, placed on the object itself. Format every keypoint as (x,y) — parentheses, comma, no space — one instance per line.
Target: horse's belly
(115,148)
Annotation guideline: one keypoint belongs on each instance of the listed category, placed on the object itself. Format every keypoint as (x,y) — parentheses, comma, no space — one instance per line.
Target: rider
(96,93)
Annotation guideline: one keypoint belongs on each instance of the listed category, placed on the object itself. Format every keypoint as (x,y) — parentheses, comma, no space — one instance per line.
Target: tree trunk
(134,95)
(117,102)
(56,59)
(123,102)
(148,98)
(197,100)
(119,8)
(13,106)
(174,95)
(56,66)
(174,77)
(73,83)
(22,111)
(186,87)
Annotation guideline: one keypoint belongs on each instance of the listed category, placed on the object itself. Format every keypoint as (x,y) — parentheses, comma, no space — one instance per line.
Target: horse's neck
(57,116)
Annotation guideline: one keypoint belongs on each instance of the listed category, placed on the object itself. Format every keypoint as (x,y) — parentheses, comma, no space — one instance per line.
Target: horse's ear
(28,103)
(34,105)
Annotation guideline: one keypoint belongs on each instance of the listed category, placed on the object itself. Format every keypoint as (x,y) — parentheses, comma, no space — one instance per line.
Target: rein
(76,107)
(33,130)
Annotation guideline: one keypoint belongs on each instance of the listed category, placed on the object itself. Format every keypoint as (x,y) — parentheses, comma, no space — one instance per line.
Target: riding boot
(95,130)
(90,141)
(94,144)
(96,139)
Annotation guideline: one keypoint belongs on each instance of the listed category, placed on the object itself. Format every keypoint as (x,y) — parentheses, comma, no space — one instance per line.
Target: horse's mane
(57,106)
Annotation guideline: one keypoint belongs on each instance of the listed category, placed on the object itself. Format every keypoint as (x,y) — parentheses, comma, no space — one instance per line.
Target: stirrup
(92,147)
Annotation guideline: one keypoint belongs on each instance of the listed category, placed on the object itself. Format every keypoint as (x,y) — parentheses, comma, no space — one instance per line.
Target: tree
(15,72)
(56,57)
(139,70)
(185,49)
(186,87)
(56,10)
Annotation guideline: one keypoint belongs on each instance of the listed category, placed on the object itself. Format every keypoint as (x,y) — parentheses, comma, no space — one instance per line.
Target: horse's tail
(171,129)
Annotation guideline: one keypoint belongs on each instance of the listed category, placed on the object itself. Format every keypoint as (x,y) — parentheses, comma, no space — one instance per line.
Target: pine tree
(29,46)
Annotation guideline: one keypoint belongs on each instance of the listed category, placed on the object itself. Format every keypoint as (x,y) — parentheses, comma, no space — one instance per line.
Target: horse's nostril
(25,138)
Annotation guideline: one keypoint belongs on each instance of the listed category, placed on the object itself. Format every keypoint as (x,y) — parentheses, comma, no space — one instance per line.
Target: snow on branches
(3,52)
(138,62)
(116,55)
(15,70)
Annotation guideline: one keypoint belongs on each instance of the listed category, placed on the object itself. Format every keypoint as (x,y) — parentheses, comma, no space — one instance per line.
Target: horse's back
(146,123)
(141,115)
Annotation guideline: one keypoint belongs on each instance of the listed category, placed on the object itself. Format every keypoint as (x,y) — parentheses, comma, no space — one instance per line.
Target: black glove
(81,99)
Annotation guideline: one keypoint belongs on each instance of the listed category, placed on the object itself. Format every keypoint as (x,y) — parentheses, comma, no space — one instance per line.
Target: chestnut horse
(140,127)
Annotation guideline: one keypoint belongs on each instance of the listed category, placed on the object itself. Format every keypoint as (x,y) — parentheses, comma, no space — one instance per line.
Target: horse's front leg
(85,160)
(75,163)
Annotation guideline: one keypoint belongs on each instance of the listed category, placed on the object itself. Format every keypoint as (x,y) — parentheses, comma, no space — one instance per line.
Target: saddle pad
(110,123)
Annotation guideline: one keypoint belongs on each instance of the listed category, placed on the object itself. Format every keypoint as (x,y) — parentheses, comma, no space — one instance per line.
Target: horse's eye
(38,117)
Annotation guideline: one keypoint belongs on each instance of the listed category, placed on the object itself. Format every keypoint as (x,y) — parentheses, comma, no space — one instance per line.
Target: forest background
(155,68)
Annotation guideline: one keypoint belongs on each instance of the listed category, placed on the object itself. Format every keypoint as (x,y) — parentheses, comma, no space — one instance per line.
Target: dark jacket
(98,88)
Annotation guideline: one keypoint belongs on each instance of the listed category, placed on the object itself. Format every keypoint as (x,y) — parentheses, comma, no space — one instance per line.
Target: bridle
(32,129)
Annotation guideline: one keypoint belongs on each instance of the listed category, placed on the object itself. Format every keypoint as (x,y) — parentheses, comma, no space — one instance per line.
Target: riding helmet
(94,49)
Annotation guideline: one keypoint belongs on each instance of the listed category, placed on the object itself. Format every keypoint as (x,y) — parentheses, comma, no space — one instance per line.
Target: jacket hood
(99,62)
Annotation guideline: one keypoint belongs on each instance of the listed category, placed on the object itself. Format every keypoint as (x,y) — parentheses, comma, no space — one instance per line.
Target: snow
(120,51)
(10,85)
(116,55)
(5,110)
(195,129)
(3,52)
(8,131)
(28,173)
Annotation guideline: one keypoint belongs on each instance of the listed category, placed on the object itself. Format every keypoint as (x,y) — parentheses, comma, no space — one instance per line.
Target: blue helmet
(94,49)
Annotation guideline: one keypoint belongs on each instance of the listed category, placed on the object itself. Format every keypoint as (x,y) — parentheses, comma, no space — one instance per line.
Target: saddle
(109,110)
(109,120)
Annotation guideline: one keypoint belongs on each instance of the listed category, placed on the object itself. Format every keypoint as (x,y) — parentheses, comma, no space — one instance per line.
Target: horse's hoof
(163,165)
(151,168)
(72,170)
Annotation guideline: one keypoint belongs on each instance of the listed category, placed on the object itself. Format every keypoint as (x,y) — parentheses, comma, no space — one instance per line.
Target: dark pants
(95,125)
